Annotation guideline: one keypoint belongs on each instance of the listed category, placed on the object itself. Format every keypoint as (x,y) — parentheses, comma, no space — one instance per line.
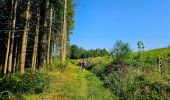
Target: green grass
(73,84)
(156,52)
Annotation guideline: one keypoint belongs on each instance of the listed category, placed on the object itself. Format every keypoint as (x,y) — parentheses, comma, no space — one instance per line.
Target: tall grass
(136,83)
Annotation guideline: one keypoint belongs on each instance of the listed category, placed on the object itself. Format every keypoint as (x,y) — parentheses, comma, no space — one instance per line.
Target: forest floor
(73,84)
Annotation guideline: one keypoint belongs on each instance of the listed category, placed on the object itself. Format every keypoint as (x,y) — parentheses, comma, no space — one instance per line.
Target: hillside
(159,52)
(152,55)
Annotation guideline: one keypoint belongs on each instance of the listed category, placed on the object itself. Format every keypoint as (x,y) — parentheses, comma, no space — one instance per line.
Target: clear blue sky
(99,23)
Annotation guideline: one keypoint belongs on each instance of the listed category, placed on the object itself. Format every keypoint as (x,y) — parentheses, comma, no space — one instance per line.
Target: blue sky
(99,23)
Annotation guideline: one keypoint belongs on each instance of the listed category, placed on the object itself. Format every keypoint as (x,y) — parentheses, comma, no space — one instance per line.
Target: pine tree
(24,38)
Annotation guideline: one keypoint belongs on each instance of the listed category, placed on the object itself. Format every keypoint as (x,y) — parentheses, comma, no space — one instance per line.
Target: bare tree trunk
(52,45)
(7,53)
(49,34)
(36,40)
(24,38)
(15,58)
(42,36)
(64,33)
(14,6)
(18,58)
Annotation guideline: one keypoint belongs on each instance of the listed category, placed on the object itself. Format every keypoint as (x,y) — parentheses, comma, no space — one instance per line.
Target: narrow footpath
(73,84)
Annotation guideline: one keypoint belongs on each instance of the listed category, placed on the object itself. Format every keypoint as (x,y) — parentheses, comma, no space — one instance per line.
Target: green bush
(151,90)
(99,66)
(138,87)
(57,65)
(144,82)
(99,70)
(121,51)
(121,87)
(29,83)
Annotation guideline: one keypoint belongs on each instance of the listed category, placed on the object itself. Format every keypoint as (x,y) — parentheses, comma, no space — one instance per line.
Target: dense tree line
(32,32)
(79,52)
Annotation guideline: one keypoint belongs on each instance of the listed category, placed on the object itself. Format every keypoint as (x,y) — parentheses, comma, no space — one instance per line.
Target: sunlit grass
(73,84)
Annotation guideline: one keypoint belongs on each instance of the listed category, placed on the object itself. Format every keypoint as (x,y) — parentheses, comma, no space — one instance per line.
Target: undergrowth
(146,83)
(14,86)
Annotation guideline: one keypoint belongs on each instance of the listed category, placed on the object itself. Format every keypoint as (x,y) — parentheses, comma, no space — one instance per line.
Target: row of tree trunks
(12,36)
(9,52)
(47,37)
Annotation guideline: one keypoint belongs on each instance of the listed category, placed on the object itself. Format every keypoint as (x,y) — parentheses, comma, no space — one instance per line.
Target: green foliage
(29,83)
(151,90)
(70,16)
(140,46)
(121,87)
(120,51)
(139,58)
(79,53)
(99,67)
(56,64)
(75,52)
(145,83)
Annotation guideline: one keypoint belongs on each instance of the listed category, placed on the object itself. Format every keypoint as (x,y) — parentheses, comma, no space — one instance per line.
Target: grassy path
(73,84)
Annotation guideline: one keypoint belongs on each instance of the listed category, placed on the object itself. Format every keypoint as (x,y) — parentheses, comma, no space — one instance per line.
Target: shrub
(133,85)
(121,51)
(148,90)
(29,83)
(57,65)
(121,87)
(136,87)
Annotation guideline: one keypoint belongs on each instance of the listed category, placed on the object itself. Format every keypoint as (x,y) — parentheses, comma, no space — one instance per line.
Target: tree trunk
(18,57)
(14,8)
(49,34)
(7,53)
(42,38)
(24,38)
(15,58)
(36,40)
(64,33)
